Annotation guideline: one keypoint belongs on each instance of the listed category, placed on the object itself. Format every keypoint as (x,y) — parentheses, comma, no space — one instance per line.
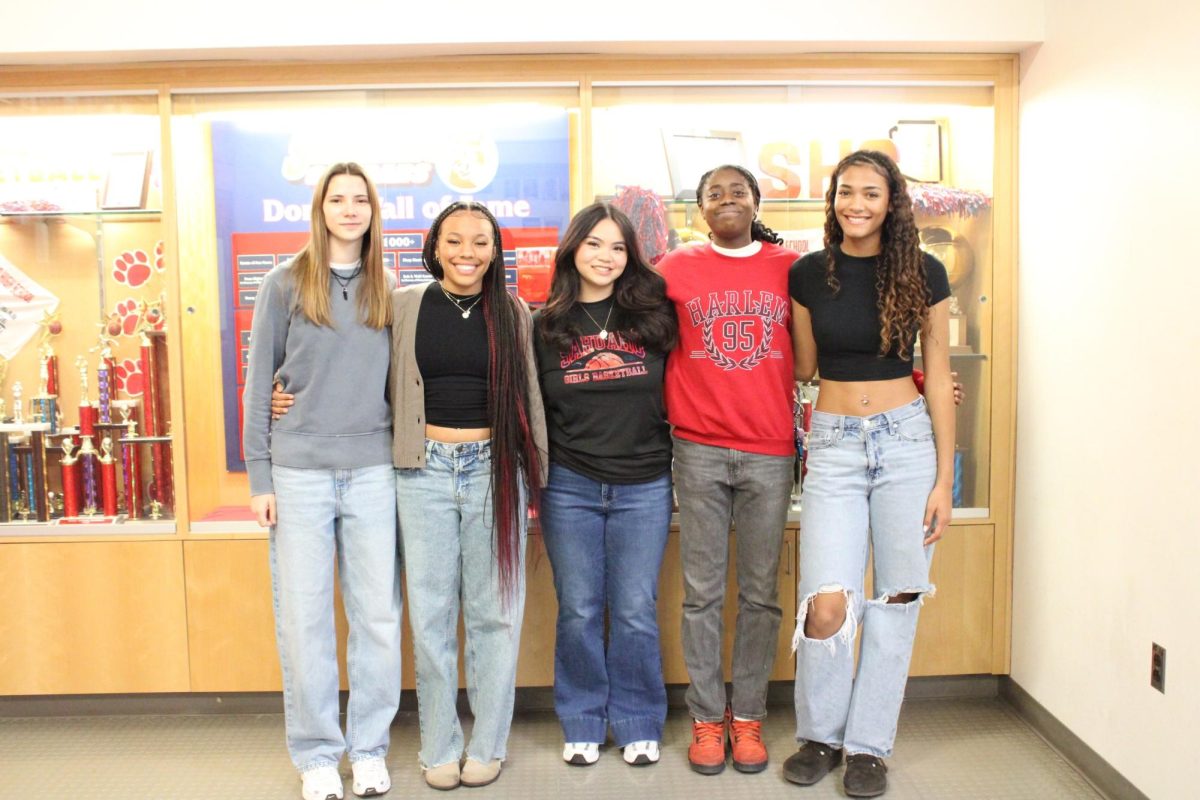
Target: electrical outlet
(1158,667)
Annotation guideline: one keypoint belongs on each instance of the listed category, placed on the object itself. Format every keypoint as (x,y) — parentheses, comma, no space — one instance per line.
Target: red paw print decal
(129,377)
(160,263)
(131,268)
(126,314)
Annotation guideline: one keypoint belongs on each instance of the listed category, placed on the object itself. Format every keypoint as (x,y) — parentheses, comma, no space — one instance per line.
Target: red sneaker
(706,753)
(749,752)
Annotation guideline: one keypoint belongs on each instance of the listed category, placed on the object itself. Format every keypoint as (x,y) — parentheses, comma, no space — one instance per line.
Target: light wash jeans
(868,481)
(605,543)
(449,554)
(348,515)
(716,486)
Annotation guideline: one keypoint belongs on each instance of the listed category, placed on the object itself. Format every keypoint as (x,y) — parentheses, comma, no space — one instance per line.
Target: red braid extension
(502,511)
(514,452)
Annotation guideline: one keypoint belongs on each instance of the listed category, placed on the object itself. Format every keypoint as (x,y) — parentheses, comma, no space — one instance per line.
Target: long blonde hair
(311,267)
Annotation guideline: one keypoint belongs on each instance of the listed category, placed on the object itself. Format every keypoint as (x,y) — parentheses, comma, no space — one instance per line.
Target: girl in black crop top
(880,466)
(462,508)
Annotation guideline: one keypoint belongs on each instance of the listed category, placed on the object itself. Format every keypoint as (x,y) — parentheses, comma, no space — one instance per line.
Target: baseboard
(529,698)
(182,703)
(1098,772)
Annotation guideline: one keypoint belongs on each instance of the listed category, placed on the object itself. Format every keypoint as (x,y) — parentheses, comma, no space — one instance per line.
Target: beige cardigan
(408,393)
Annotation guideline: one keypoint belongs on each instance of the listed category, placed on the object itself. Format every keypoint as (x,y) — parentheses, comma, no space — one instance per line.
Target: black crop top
(452,355)
(846,325)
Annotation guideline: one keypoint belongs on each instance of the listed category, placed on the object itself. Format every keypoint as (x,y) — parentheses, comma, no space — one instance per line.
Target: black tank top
(452,354)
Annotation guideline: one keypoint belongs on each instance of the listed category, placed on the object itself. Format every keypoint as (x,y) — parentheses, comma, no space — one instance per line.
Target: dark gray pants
(716,486)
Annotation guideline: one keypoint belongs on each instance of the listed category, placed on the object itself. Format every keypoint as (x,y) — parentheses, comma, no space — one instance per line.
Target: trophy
(70,479)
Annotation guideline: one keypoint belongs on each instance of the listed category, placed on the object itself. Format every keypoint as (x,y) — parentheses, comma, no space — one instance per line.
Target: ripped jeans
(867,484)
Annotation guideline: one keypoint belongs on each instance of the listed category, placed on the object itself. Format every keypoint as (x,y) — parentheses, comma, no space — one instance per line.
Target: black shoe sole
(865,794)
(578,760)
(641,761)
(749,768)
(708,769)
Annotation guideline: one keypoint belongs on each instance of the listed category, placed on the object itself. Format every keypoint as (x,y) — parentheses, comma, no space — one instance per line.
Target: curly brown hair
(900,266)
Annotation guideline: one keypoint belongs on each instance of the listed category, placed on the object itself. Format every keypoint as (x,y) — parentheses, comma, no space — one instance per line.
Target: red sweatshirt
(729,382)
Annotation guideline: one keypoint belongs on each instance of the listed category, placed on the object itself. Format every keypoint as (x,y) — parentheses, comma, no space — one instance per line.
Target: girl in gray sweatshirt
(321,478)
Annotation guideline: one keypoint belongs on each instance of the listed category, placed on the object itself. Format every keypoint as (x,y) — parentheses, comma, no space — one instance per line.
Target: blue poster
(515,159)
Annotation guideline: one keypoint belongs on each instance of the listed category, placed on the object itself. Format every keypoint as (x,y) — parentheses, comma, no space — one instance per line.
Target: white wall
(57,31)
(1108,481)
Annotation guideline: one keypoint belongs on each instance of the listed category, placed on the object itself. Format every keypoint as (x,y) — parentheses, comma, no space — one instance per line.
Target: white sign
(23,305)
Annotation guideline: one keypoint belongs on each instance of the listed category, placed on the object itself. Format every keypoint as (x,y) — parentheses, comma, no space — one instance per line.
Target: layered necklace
(466,310)
(603,328)
(344,282)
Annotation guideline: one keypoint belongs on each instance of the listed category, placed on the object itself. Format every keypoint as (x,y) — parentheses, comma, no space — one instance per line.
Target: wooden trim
(173,310)
(1004,374)
(260,76)
(586,189)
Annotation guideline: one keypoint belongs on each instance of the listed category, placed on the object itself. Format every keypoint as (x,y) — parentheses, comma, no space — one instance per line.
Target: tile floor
(946,748)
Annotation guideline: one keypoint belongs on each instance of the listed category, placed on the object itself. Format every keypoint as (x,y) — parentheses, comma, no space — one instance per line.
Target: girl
(322,480)
(880,466)
(606,510)
(729,396)
(470,440)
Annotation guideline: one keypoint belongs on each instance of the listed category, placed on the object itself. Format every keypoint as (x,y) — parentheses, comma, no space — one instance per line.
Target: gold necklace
(603,328)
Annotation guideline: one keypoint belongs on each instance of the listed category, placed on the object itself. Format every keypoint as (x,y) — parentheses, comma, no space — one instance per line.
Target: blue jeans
(868,481)
(716,486)
(348,515)
(605,543)
(448,536)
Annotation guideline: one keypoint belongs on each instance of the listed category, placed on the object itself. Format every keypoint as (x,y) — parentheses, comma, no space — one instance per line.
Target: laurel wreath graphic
(747,362)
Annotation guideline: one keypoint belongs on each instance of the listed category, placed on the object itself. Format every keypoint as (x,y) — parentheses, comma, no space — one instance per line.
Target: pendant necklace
(603,328)
(466,312)
(345,282)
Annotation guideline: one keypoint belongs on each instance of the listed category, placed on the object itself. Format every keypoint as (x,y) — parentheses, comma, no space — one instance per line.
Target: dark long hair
(641,310)
(758,231)
(900,267)
(514,452)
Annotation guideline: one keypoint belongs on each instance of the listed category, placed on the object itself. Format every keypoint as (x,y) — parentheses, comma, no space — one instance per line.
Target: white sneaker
(321,783)
(581,754)
(371,777)
(641,753)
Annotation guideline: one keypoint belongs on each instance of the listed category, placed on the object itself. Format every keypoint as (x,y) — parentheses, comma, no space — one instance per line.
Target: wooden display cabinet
(188,607)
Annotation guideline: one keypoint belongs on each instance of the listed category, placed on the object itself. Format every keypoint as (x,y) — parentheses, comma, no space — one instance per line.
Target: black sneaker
(866,775)
(811,762)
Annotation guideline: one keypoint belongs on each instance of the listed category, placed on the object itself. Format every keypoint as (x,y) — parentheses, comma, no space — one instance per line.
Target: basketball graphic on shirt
(604,360)
(591,359)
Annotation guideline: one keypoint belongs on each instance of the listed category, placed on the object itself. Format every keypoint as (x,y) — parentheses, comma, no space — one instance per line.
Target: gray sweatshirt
(341,418)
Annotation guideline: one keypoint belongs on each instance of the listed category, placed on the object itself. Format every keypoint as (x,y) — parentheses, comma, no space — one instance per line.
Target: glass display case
(85,411)
(652,143)
(245,165)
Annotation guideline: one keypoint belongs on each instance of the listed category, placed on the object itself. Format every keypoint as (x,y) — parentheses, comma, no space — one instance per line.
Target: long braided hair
(900,283)
(641,309)
(758,231)
(515,459)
